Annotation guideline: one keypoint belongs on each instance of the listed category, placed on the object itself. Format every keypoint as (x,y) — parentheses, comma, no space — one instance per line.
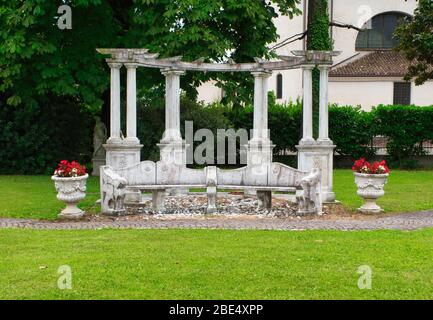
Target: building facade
(367,72)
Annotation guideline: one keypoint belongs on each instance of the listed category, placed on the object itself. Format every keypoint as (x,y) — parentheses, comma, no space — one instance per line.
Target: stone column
(323,109)
(121,153)
(172,105)
(265,107)
(259,149)
(307,108)
(317,154)
(131,104)
(115,103)
(258,106)
(172,147)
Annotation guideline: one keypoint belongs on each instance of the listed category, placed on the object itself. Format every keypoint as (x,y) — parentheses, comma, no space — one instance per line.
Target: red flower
(69,169)
(378,167)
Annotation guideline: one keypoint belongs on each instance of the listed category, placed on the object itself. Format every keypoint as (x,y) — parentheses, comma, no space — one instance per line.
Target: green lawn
(215,264)
(35,197)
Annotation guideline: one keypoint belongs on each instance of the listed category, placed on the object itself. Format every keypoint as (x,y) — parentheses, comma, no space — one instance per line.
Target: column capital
(131,65)
(170,71)
(308,66)
(114,64)
(324,66)
(261,73)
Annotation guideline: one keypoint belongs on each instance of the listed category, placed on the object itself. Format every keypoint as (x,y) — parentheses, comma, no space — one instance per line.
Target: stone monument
(99,138)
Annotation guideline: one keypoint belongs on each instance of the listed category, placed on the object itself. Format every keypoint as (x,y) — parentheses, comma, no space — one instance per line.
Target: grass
(215,264)
(35,197)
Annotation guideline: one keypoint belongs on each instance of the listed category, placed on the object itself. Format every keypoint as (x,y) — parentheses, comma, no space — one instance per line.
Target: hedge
(32,141)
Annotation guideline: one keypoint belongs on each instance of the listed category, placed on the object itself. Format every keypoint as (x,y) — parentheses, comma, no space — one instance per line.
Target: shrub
(406,128)
(151,119)
(285,126)
(351,131)
(34,140)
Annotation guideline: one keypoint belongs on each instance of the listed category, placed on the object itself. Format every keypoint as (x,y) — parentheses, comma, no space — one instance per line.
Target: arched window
(378,33)
(279,86)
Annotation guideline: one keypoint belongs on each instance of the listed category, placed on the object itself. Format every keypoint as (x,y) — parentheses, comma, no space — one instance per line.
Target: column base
(173,152)
(132,140)
(319,154)
(259,151)
(114,140)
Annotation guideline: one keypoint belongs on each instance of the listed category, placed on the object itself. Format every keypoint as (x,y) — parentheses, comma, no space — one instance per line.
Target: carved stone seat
(159,176)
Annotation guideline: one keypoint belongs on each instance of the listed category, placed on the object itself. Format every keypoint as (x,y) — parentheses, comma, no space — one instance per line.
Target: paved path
(409,221)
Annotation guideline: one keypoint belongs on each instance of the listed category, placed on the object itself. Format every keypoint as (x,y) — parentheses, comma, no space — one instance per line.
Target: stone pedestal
(318,154)
(122,155)
(259,152)
(173,152)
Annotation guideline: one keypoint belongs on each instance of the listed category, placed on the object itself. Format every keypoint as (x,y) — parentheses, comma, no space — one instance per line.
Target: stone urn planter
(71,191)
(370,188)
(370,180)
(70,183)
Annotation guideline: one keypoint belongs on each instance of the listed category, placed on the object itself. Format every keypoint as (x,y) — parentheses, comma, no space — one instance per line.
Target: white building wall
(422,95)
(292,79)
(365,93)
(209,93)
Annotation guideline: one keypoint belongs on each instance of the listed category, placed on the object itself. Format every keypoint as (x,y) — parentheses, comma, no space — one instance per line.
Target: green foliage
(34,140)
(151,113)
(318,38)
(39,59)
(285,125)
(215,30)
(351,131)
(406,127)
(416,41)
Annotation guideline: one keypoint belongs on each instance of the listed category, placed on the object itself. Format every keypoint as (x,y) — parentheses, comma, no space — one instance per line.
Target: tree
(416,41)
(318,38)
(37,59)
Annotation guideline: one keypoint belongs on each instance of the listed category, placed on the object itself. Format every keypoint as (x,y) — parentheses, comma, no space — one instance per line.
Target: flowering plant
(377,167)
(67,169)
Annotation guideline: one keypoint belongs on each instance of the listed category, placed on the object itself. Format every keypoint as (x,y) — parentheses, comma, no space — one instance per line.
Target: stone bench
(159,176)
